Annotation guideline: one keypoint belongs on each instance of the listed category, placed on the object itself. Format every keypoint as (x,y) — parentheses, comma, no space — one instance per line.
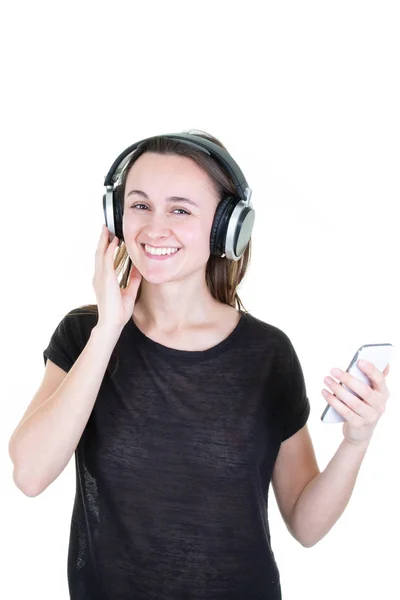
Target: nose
(157,226)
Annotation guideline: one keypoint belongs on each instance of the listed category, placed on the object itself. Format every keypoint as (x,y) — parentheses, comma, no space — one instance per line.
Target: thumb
(386,371)
(135,278)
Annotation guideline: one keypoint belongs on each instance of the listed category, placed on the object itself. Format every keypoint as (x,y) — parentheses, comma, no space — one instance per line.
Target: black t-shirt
(174,465)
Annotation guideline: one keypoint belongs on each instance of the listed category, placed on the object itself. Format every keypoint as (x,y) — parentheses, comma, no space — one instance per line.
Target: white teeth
(157,251)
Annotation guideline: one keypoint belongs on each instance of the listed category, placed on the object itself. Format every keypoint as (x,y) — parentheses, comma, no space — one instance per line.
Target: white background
(305,96)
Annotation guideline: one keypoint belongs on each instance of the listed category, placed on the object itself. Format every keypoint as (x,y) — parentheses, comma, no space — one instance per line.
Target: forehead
(160,173)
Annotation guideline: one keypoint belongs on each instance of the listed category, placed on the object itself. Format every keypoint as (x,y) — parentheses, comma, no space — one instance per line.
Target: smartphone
(379,355)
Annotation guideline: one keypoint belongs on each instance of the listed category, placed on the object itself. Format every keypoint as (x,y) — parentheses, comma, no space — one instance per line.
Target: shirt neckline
(158,348)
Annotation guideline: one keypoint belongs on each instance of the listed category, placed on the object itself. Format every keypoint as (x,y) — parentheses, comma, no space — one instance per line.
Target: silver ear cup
(108,210)
(239,230)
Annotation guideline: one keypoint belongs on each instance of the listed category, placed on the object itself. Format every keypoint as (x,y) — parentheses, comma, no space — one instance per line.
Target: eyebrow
(169,199)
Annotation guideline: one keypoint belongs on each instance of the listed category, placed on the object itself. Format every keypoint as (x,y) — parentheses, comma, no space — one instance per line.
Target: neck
(175,306)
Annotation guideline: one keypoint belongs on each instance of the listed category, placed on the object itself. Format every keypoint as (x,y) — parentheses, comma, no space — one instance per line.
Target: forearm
(325,498)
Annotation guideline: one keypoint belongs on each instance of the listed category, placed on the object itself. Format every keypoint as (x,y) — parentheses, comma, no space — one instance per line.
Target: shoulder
(70,336)
(77,324)
(272,335)
(86,309)
(86,314)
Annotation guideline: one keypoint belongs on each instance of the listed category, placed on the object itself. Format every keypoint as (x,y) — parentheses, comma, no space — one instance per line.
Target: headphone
(233,219)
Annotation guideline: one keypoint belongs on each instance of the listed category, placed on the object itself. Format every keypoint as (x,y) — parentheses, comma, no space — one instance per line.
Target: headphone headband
(219,154)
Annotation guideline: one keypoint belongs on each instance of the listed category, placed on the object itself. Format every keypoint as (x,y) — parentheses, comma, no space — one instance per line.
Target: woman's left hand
(361,413)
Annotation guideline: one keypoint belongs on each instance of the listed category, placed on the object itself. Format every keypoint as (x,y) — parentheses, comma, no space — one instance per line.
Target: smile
(159,253)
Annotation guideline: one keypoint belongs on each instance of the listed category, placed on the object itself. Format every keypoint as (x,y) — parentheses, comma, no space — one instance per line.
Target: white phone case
(379,355)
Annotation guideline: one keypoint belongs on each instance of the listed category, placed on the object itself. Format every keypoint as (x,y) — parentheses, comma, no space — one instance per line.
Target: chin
(160,278)
(155,276)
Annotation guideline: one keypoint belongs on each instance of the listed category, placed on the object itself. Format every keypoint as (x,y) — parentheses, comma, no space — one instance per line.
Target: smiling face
(173,207)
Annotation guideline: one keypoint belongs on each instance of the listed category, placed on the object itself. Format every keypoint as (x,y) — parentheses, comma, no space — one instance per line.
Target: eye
(183,211)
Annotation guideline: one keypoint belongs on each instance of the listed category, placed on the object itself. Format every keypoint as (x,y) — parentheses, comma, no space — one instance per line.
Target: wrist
(106,333)
(360,446)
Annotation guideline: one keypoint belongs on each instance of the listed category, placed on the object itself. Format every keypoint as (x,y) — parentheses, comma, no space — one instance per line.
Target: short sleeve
(63,348)
(297,403)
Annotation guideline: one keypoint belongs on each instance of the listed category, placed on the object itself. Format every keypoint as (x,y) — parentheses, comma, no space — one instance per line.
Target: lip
(158,256)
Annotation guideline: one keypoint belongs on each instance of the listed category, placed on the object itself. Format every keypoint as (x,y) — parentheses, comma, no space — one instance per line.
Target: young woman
(178,438)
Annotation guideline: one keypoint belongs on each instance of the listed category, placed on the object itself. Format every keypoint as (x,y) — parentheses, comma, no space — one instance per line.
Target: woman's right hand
(115,305)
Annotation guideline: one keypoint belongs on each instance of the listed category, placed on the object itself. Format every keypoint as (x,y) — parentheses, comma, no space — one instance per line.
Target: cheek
(130,226)
(197,235)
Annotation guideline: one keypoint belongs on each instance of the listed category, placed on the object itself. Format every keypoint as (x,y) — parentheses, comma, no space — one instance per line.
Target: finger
(101,245)
(373,373)
(134,279)
(360,388)
(345,395)
(386,371)
(353,410)
(110,253)
(114,242)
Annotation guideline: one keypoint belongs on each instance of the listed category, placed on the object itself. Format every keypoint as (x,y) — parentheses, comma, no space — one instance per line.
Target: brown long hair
(223,276)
